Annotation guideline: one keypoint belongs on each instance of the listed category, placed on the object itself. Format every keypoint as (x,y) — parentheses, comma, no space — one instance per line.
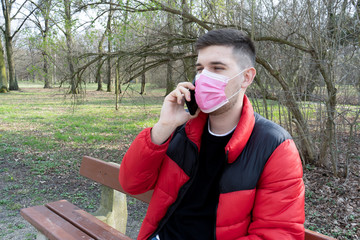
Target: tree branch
(19,9)
(183,14)
(283,41)
(17,30)
(52,20)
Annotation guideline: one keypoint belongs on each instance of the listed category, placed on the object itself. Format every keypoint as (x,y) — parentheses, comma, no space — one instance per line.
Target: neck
(224,122)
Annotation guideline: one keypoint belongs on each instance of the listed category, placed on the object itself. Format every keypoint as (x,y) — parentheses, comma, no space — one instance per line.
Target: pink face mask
(210,90)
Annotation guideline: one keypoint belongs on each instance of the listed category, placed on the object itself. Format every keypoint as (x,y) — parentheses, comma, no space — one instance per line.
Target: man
(224,173)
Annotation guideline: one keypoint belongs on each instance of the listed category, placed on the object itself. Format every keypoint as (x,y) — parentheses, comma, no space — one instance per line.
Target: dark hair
(242,44)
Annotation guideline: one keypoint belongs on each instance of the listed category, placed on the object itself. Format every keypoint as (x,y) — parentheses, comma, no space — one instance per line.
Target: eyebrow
(217,63)
(212,63)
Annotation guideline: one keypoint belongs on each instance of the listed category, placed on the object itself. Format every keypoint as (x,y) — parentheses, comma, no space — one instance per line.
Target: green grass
(44,122)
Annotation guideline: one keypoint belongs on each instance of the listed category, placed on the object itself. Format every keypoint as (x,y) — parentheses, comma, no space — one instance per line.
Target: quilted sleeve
(141,164)
(278,211)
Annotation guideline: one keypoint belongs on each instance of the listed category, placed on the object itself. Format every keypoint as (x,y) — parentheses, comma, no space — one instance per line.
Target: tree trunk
(98,75)
(13,85)
(6,7)
(54,78)
(311,82)
(117,83)
(358,89)
(325,62)
(108,75)
(169,78)
(358,17)
(3,78)
(100,63)
(46,71)
(46,12)
(143,79)
(189,63)
(108,30)
(74,88)
(330,123)
(119,79)
(170,27)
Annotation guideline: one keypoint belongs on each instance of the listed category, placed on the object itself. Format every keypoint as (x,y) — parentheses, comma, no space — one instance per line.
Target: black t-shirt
(195,217)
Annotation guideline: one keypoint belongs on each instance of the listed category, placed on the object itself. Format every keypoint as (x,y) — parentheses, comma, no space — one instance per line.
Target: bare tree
(169,66)
(74,84)
(7,6)
(42,22)
(109,38)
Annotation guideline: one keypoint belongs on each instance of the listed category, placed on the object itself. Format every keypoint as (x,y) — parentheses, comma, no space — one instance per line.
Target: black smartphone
(192,105)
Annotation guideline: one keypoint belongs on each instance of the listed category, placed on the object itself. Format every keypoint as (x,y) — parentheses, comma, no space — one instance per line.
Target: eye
(218,68)
(199,70)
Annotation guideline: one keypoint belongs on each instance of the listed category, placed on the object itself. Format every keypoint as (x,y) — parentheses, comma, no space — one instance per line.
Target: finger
(178,95)
(181,91)
(185,92)
(187,85)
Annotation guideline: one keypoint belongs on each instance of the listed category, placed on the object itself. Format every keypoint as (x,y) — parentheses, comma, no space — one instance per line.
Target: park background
(84,77)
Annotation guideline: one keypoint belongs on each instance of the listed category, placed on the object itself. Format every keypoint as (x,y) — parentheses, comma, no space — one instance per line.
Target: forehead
(215,54)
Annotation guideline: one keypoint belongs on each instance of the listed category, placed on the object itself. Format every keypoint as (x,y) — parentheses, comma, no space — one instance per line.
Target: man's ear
(249,76)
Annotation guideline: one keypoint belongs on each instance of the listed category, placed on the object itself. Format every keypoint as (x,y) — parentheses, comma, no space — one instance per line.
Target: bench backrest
(107,174)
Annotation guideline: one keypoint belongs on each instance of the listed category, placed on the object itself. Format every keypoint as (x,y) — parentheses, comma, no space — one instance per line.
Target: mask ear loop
(237,74)
(240,86)
(234,94)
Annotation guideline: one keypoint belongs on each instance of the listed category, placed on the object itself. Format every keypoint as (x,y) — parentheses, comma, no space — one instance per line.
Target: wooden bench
(63,220)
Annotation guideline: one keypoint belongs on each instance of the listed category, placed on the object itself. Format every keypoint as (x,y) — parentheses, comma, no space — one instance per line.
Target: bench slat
(107,174)
(51,225)
(85,221)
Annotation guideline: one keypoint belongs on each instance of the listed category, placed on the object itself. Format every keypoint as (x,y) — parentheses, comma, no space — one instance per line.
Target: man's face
(221,60)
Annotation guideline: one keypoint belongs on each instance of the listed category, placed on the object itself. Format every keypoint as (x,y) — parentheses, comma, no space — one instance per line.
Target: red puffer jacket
(261,187)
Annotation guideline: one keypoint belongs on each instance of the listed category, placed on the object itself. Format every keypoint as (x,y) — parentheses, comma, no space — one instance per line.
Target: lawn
(44,133)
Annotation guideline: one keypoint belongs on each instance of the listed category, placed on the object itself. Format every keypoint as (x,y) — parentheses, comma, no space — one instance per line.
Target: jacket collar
(194,129)
(242,132)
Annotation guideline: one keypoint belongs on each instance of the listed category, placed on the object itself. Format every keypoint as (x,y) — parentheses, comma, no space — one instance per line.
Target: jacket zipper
(174,206)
